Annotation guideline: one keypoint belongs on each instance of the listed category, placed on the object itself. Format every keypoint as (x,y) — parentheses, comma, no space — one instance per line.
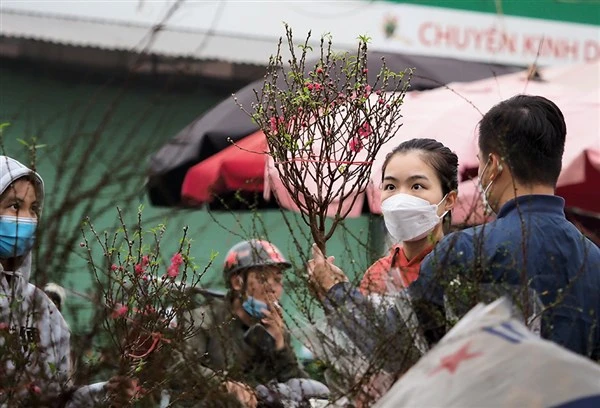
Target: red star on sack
(452,361)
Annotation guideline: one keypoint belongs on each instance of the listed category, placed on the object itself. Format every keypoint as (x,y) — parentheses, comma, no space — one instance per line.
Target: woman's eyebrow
(390,178)
(417,177)
(12,199)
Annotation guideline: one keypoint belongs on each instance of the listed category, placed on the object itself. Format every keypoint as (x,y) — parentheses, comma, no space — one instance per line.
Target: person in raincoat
(35,363)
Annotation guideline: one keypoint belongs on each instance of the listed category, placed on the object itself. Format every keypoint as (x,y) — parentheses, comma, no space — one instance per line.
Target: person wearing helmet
(241,340)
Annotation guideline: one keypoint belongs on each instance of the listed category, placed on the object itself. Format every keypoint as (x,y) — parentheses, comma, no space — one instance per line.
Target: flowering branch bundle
(325,125)
(142,299)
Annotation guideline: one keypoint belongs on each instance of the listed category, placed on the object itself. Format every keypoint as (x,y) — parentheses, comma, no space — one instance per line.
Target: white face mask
(410,218)
(487,208)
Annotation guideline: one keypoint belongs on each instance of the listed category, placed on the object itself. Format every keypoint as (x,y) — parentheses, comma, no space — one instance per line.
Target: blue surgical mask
(254,307)
(17,235)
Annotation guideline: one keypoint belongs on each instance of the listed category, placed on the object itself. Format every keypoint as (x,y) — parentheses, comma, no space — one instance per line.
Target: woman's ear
(450,200)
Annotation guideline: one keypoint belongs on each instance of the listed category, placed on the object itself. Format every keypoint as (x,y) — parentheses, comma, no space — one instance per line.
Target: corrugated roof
(110,35)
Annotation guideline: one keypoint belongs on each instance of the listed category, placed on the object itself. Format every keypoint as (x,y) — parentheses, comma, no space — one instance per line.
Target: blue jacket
(530,241)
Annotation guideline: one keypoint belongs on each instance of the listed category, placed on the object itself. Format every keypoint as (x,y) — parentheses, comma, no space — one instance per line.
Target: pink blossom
(139,269)
(365,130)
(120,311)
(365,71)
(309,86)
(114,267)
(319,70)
(355,145)
(172,272)
(368,90)
(176,262)
(381,101)
(82,244)
(145,260)
(3,326)
(273,124)
(177,259)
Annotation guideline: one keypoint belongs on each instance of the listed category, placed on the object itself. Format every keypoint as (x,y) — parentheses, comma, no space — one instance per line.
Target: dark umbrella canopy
(210,133)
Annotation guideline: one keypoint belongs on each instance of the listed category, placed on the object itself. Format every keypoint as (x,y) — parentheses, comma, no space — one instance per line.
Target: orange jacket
(380,273)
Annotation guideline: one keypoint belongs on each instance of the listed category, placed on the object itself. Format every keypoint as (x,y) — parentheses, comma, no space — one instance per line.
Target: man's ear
(237,283)
(496,166)
(450,201)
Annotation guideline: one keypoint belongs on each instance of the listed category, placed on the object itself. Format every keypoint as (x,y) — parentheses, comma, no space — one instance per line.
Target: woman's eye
(417,186)
(388,187)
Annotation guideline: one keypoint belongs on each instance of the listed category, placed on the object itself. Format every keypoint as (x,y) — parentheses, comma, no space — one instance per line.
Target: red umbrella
(580,182)
(239,166)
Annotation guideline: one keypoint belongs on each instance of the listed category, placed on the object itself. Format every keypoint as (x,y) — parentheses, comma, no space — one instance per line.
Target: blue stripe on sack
(585,402)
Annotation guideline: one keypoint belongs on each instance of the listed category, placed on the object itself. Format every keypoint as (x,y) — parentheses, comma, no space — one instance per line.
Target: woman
(34,337)
(418,190)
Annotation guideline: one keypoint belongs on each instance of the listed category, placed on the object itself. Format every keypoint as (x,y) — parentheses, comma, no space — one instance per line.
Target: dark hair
(529,133)
(438,156)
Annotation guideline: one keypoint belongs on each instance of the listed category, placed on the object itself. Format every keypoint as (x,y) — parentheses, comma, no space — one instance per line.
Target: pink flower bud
(35,389)
(365,130)
(139,269)
(119,311)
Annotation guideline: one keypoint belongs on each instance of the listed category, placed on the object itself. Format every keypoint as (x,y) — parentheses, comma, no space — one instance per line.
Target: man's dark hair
(529,133)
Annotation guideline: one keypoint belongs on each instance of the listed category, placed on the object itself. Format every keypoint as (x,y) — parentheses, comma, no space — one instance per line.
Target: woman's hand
(322,273)
(244,394)
(273,321)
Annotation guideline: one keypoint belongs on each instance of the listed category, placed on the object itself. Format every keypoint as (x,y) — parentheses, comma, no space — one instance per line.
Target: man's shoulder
(457,242)
(456,248)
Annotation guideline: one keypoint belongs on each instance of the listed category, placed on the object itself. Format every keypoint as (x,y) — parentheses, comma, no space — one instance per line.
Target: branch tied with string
(325,124)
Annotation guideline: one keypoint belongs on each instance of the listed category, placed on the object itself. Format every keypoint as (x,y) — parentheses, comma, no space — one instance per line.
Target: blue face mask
(254,307)
(17,235)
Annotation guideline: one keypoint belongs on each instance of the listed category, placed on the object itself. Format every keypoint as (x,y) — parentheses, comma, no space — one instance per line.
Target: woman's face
(408,173)
(20,200)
